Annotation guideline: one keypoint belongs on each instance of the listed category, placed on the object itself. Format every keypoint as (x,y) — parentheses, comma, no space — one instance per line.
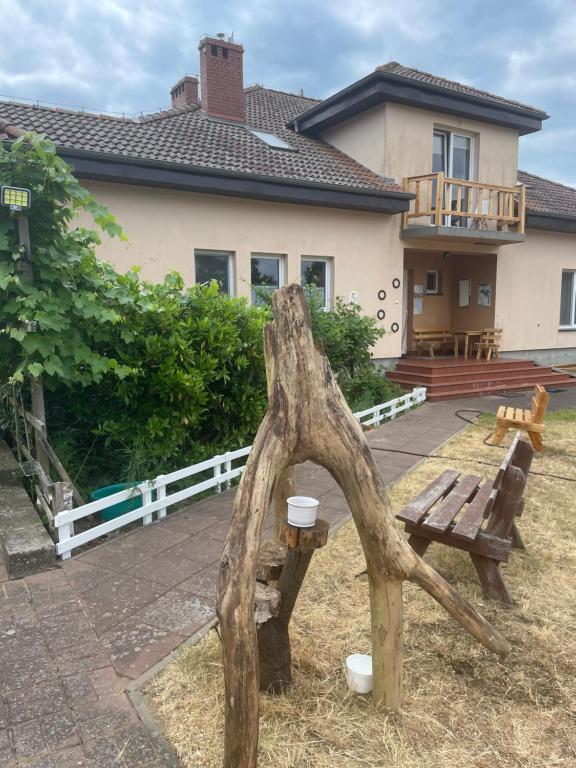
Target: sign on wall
(485,295)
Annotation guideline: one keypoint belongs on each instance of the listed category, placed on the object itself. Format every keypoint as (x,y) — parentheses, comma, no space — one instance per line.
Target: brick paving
(73,638)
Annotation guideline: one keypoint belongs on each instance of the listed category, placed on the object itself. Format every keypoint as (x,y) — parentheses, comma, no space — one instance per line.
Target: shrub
(347,337)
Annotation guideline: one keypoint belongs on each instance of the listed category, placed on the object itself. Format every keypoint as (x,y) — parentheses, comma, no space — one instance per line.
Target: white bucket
(302,511)
(359,672)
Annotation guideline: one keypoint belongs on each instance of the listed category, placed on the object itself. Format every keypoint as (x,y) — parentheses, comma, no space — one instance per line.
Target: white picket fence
(155,496)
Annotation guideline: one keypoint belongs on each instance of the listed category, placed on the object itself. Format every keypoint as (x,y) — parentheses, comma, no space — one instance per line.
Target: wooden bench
(531,421)
(429,341)
(479,517)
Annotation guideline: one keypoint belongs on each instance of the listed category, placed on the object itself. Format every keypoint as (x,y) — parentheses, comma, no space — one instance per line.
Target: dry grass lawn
(463,707)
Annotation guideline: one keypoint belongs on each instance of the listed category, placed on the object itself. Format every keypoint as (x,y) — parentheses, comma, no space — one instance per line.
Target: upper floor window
(452,154)
(266,275)
(316,277)
(215,265)
(568,299)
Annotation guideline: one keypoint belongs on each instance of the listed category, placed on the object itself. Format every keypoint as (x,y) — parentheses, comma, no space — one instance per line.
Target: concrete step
(442,393)
(26,544)
(440,380)
(449,367)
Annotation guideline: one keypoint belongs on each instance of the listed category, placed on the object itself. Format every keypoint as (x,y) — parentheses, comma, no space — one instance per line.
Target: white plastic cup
(302,511)
(359,672)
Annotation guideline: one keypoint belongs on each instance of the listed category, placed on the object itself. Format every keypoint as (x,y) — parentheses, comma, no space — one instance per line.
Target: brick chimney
(221,78)
(185,92)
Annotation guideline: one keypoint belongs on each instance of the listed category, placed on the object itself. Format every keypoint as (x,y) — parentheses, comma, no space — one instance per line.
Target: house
(400,192)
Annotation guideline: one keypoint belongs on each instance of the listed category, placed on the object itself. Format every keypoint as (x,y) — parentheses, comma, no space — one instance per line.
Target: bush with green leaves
(347,337)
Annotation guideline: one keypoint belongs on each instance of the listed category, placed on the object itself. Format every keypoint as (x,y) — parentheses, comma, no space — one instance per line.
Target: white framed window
(215,265)
(432,281)
(316,275)
(266,275)
(568,299)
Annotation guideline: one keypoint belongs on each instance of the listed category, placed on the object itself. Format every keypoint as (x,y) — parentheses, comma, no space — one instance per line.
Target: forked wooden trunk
(308,419)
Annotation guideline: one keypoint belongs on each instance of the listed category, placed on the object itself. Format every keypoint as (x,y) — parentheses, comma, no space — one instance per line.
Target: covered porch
(450,293)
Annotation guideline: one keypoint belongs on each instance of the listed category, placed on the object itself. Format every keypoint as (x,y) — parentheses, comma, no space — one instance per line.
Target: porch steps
(447,378)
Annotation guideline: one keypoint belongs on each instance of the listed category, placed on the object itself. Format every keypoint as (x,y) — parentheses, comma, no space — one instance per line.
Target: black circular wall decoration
(381,314)
(395,327)
(396,283)
(382,294)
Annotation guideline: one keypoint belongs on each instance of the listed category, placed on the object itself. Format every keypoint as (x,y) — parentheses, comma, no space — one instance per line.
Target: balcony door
(452,156)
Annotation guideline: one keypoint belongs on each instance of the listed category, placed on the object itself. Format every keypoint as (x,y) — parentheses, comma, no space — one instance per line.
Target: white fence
(155,495)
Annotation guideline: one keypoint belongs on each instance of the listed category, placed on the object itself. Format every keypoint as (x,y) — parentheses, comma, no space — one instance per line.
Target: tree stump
(274,650)
(308,419)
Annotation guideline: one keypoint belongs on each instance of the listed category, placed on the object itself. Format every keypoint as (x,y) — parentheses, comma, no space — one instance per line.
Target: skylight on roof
(271,139)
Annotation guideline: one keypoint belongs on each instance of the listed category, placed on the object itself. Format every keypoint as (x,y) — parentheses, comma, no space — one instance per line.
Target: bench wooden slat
(484,544)
(415,510)
(471,520)
(442,516)
(508,459)
(509,414)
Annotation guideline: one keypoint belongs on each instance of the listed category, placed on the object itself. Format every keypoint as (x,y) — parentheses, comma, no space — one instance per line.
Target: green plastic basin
(116,510)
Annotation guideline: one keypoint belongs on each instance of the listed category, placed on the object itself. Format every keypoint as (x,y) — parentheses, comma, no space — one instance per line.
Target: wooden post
(39,413)
(386,616)
(522,210)
(62,499)
(273,639)
(26,271)
(439,199)
(308,419)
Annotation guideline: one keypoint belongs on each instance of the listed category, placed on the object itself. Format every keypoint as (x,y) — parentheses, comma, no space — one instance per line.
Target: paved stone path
(71,639)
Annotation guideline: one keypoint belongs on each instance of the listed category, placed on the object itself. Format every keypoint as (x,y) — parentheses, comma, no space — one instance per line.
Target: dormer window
(271,139)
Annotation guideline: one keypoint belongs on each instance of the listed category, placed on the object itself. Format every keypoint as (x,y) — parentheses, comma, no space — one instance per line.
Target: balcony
(458,210)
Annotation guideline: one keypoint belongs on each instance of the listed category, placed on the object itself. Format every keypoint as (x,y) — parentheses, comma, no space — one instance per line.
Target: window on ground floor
(316,277)
(215,265)
(266,275)
(568,299)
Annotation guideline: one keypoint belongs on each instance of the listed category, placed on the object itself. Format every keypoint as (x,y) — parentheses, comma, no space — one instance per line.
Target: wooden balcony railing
(443,201)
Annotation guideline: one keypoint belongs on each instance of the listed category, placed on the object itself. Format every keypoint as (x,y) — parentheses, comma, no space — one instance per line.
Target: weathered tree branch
(308,419)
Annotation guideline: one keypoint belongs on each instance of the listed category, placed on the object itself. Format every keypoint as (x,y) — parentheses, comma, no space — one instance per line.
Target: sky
(121,56)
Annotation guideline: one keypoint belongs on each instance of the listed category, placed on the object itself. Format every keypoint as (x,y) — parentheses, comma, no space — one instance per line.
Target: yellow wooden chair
(531,421)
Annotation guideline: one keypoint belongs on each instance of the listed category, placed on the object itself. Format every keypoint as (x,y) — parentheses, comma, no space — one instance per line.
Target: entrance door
(407,307)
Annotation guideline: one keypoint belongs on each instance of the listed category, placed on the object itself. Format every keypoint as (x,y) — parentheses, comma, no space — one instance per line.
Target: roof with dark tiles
(186,136)
(394,68)
(546,197)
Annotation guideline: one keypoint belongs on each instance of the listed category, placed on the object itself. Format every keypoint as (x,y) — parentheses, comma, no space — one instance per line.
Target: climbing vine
(55,323)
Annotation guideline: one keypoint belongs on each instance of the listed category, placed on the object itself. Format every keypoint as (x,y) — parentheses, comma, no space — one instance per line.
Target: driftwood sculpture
(308,419)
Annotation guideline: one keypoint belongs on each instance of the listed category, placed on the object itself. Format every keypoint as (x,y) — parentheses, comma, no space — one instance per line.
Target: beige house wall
(408,144)
(164,227)
(395,140)
(362,137)
(528,291)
